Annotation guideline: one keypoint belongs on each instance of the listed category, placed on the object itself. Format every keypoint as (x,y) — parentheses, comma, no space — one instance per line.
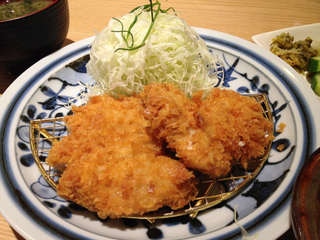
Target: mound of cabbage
(173,53)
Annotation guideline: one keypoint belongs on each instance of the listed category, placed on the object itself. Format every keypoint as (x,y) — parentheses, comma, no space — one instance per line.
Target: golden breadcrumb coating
(115,126)
(176,119)
(207,134)
(236,125)
(281,127)
(131,186)
(112,161)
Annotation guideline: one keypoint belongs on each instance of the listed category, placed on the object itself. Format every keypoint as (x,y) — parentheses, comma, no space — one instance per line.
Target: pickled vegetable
(314,64)
(315,84)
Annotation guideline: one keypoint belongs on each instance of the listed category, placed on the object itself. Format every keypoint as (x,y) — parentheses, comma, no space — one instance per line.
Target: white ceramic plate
(33,209)
(299,33)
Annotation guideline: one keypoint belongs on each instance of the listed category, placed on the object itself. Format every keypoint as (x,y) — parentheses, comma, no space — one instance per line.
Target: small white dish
(299,33)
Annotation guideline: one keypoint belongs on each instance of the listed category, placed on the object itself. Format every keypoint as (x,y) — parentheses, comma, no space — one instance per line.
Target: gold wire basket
(212,191)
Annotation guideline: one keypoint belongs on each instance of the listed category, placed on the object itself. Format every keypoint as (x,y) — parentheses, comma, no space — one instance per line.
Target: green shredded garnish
(148,45)
(146,8)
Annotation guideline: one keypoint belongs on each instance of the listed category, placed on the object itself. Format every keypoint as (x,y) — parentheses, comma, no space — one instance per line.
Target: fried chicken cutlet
(114,126)
(176,119)
(114,165)
(130,186)
(207,134)
(235,124)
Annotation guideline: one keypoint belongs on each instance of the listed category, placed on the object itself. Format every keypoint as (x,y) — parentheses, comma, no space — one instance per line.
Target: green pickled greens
(140,48)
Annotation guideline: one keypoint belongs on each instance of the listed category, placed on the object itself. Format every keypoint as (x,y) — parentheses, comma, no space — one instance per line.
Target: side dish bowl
(298,32)
(25,40)
(305,206)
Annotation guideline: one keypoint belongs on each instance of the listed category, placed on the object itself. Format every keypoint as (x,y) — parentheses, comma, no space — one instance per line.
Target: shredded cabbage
(173,53)
(245,234)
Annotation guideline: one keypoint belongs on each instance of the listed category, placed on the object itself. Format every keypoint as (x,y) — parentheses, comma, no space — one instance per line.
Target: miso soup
(13,9)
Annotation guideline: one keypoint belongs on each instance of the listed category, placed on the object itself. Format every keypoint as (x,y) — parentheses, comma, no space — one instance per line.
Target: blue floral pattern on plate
(55,104)
(246,71)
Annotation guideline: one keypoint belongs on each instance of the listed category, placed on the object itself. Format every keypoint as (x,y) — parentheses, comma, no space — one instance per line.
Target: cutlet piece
(236,124)
(110,126)
(112,162)
(176,119)
(207,134)
(118,187)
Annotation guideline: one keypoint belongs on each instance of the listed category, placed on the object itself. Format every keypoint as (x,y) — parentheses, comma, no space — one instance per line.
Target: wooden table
(237,17)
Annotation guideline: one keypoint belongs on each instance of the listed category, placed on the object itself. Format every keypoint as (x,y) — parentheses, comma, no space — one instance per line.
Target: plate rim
(64,51)
(256,38)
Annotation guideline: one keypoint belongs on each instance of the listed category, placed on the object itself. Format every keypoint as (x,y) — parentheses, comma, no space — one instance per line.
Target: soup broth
(14,9)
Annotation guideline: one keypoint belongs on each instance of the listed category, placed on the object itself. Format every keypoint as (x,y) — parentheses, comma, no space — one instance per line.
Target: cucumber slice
(315,84)
(314,64)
